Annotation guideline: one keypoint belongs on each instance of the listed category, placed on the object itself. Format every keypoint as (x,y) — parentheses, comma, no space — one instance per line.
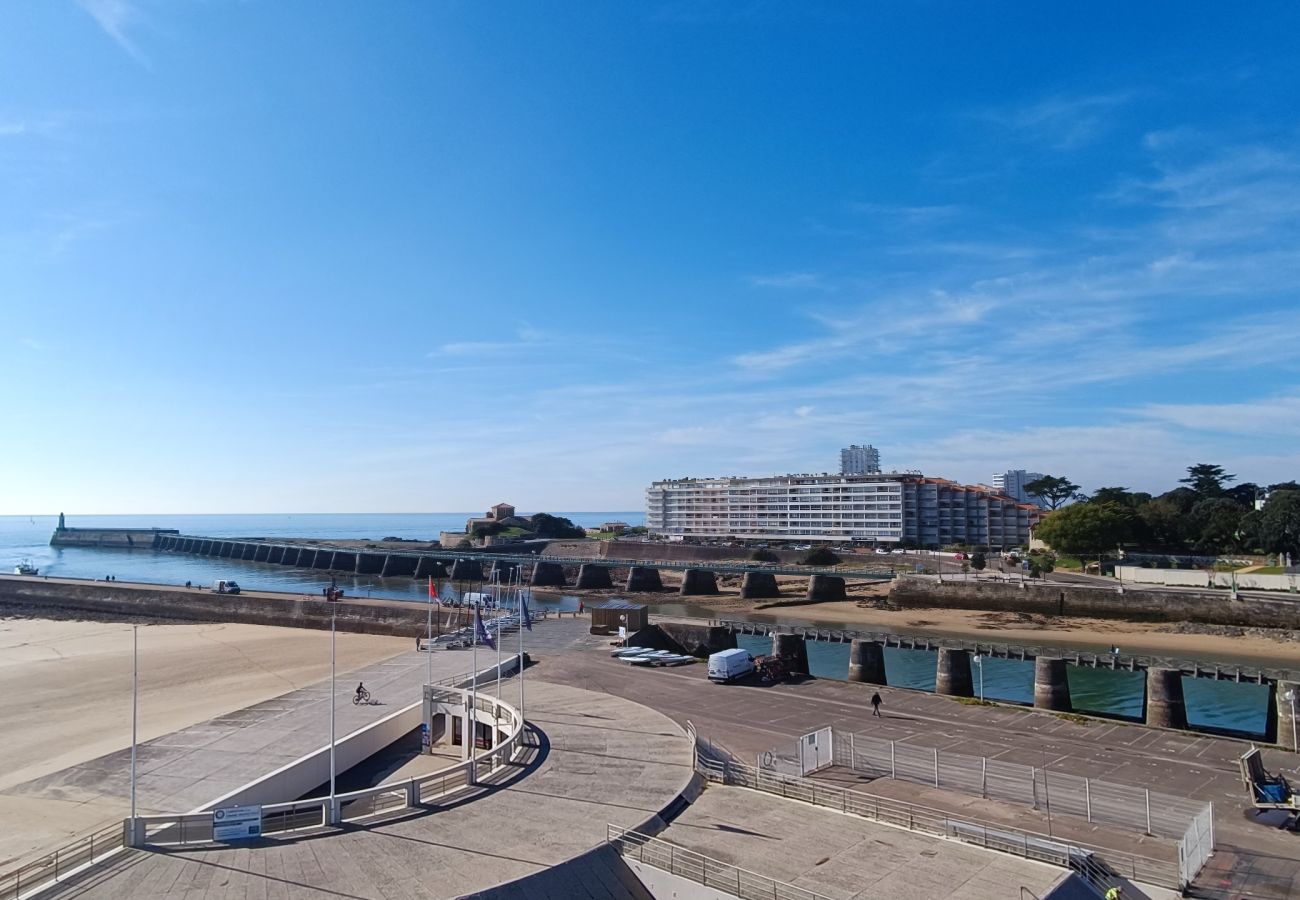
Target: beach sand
(65,696)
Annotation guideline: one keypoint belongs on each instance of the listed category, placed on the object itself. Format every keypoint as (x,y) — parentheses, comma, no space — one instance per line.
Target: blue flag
(523,612)
(480,633)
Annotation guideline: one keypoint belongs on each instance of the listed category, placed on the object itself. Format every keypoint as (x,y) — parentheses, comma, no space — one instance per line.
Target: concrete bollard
(794,649)
(590,576)
(826,587)
(867,662)
(1286,712)
(640,578)
(698,581)
(1165,706)
(759,586)
(952,673)
(1051,685)
(547,575)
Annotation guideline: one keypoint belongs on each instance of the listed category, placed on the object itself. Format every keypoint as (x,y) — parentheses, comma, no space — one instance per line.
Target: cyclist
(362,693)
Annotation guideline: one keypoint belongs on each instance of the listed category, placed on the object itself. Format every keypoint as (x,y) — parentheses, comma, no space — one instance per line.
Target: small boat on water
(25,567)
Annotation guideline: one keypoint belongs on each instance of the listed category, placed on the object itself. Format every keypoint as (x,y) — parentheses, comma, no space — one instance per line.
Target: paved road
(751,719)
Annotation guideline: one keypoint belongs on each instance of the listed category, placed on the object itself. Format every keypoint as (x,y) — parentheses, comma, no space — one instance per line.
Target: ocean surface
(1212,704)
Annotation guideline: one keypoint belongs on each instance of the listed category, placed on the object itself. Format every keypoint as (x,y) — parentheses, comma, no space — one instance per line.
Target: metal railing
(354,806)
(1138,809)
(59,863)
(702,869)
(1102,867)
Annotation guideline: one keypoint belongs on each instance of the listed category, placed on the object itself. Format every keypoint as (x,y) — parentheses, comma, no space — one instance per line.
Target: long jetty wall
(1054,598)
(33,597)
(123,538)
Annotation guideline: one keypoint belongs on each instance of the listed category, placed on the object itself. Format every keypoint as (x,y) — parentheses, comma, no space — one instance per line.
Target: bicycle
(361,696)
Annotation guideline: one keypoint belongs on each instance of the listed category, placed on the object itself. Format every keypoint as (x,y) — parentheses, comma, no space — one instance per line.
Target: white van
(225,587)
(728,665)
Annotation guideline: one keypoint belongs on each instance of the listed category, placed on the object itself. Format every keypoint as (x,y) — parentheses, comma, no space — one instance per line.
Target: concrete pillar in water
(547,575)
(248,551)
(1165,706)
(759,586)
(794,649)
(952,673)
(1286,712)
(867,662)
(640,578)
(698,581)
(466,570)
(1051,684)
(590,576)
(826,587)
(276,555)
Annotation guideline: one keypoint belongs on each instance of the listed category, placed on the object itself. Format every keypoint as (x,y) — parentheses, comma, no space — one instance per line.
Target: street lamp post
(135,704)
(333,601)
(1289,695)
(979,661)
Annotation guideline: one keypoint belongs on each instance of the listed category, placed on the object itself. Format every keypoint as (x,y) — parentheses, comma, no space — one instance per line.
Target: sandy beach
(65,696)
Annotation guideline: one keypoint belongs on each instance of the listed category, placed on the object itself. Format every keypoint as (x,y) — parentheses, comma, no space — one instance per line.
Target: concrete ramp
(599,874)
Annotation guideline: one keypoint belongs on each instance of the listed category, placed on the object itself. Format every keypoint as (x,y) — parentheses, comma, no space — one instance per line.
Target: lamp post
(333,601)
(135,704)
(979,661)
(1289,695)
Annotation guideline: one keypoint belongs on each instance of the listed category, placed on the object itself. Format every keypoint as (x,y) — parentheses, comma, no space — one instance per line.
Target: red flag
(433,590)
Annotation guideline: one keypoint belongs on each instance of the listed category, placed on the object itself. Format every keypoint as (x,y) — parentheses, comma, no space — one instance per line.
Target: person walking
(875,704)
(1115,893)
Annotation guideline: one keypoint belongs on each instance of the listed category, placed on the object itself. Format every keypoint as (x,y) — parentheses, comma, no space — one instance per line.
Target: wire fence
(1139,809)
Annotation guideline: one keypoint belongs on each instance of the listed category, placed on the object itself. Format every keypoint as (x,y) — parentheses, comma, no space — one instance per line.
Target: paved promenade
(1253,859)
(845,857)
(598,760)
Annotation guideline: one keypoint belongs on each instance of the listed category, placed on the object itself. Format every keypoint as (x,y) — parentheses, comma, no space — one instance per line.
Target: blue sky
(350,256)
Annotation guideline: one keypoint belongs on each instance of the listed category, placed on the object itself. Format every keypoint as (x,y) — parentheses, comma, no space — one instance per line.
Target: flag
(523,612)
(433,591)
(481,633)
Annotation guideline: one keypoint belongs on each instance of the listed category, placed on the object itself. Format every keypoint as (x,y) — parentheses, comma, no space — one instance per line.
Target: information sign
(235,823)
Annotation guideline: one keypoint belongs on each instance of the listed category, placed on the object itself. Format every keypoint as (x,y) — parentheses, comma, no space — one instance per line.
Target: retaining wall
(1202,578)
(1056,598)
(40,598)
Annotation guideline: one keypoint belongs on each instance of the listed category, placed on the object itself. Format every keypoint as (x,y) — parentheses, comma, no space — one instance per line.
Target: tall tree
(1053,490)
(1217,521)
(1166,523)
(1122,496)
(1087,529)
(1207,479)
(1243,494)
(1278,525)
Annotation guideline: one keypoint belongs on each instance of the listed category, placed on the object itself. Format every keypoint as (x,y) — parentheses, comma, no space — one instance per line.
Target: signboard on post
(235,823)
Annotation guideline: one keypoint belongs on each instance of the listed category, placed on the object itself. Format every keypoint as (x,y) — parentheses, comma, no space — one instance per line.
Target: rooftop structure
(856,460)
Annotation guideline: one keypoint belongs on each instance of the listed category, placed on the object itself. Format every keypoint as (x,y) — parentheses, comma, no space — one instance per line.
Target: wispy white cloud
(1060,121)
(793,280)
(116,18)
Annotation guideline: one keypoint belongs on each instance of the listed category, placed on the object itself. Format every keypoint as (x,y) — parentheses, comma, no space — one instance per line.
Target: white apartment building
(782,507)
(879,509)
(1012,483)
(855,460)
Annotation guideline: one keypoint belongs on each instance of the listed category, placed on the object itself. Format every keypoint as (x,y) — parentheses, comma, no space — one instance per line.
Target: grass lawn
(1269,570)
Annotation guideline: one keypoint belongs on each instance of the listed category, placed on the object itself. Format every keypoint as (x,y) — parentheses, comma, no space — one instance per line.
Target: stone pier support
(262,553)
(758,586)
(867,662)
(792,648)
(640,578)
(247,551)
(302,557)
(428,567)
(547,575)
(276,555)
(1286,712)
(227,550)
(466,570)
(952,673)
(1165,706)
(371,563)
(1051,685)
(698,581)
(826,587)
(590,576)
(399,565)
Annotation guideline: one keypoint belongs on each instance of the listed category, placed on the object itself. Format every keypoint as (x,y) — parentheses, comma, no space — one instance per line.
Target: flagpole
(519,592)
(428,647)
(473,704)
(496,595)
(135,705)
(333,616)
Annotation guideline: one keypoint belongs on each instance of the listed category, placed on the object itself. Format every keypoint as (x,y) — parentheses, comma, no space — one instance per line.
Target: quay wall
(59,599)
(126,538)
(1054,598)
